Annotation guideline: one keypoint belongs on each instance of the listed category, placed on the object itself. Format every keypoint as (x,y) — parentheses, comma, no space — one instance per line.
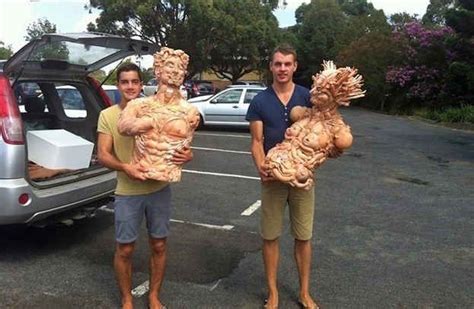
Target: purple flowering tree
(418,79)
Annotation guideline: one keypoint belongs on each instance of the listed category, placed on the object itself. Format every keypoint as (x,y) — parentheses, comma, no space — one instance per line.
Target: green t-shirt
(123,150)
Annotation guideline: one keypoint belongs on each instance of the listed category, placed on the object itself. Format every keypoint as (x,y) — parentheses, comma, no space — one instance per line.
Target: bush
(464,114)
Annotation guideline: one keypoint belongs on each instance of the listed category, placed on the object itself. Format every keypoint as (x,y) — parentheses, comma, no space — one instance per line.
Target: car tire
(201,122)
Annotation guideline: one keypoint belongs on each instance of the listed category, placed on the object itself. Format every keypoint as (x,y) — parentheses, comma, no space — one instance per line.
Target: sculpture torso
(173,127)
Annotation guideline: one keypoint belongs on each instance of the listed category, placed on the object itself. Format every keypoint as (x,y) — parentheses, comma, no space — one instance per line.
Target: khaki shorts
(275,196)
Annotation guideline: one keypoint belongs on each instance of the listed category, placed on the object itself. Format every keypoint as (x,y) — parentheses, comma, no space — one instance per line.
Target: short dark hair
(285,49)
(127,67)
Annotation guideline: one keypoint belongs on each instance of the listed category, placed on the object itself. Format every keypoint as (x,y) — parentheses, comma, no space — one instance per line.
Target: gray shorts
(130,209)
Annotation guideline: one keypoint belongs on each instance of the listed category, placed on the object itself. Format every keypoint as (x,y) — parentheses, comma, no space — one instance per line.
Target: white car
(226,108)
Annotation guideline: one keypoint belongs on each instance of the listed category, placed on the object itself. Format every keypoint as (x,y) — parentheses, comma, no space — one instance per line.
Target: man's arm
(258,154)
(108,159)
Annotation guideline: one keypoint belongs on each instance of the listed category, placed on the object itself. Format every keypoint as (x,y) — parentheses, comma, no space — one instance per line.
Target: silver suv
(33,97)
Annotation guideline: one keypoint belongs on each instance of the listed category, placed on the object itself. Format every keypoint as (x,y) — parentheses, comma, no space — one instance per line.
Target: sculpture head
(170,66)
(333,86)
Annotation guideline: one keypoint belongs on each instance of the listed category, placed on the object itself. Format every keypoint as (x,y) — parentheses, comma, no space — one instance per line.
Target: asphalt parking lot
(393,229)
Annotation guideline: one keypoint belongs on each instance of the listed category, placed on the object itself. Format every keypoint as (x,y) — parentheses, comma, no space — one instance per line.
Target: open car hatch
(80,53)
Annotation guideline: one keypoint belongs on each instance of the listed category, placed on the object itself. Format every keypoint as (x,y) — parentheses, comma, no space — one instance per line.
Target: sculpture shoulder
(139,101)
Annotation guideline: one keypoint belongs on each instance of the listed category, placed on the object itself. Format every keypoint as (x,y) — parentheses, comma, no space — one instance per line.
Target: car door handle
(235,106)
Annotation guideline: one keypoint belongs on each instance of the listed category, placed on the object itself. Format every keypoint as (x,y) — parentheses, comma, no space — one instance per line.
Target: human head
(126,67)
(284,49)
(129,82)
(283,64)
(170,66)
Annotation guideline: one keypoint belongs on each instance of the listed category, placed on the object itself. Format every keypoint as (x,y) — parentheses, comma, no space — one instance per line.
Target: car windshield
(74,53)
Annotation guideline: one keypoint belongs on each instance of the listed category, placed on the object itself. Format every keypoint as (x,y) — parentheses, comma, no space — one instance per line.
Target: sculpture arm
(343,137)
(258,154)
(299,112)
(130,124)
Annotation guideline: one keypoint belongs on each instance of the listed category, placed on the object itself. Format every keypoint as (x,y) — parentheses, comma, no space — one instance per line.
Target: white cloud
(398,6)
(81,25)
(15,16)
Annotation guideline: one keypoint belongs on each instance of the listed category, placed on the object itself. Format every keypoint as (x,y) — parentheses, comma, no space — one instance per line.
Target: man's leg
(158,214)
(301,206)
(157,270)
(123,272)
(271,254)
(303,263)
(274,197)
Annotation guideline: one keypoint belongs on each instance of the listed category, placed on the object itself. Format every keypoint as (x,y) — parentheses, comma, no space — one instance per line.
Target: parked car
(248,83)
(58,66)
(197,88)
(151,87)
(112,92)
(226,108)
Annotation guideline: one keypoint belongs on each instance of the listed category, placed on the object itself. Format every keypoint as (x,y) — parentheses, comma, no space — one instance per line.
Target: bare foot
(154,303)
(271,302)
(307,302)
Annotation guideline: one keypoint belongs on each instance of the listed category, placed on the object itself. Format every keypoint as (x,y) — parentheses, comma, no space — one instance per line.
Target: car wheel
(201,122)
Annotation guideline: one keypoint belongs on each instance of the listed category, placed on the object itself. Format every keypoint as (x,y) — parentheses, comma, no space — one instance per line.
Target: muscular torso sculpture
(173,128)
(317,132)
(163,123)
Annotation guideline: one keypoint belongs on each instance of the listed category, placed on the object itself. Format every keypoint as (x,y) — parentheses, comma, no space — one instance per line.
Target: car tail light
(10,119)
(103,95)
(23,199)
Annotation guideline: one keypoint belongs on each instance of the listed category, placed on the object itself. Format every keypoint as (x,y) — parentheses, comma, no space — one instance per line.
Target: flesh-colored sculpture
(318,132)
(164,122)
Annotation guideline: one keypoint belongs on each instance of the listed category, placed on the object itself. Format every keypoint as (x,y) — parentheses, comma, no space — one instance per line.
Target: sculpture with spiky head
(318,132)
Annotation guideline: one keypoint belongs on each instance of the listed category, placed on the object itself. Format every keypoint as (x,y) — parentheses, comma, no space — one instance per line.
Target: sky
(71,16)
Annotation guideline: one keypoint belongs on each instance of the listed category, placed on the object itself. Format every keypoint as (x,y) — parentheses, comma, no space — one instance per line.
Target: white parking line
(223,135)
(141,289)
(221,150)
(252,208)
(210,226)
(221,174)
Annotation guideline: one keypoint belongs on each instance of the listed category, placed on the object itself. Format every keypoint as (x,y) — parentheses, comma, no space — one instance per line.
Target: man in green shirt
(135,196)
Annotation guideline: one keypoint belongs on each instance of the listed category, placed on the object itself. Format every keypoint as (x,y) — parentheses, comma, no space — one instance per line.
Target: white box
(58,149)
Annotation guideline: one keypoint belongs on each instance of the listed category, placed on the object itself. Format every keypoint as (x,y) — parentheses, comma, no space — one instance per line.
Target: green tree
(436,11)
(36,29)
(99,75)
(55,50)
(5,52)
(196,26)
(243,34)
(372,55)
(460,77)
(399,20)
(320,28)
(326,27)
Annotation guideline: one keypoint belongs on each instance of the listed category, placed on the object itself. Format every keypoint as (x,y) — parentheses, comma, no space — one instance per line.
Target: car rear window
(74,53)
(250,94)
(71,101)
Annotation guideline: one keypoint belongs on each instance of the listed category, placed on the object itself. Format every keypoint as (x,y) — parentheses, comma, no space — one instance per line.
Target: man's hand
(264,173)
(135,171)
(182,155)
(334,152)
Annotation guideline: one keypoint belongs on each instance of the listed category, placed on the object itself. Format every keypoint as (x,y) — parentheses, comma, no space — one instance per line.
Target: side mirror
(214,101)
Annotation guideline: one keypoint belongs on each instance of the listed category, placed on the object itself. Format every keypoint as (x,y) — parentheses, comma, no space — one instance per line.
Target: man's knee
(125,251)
(158,245)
